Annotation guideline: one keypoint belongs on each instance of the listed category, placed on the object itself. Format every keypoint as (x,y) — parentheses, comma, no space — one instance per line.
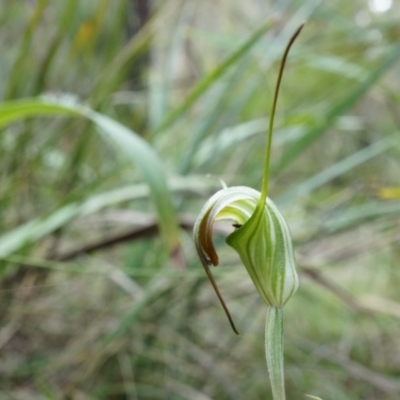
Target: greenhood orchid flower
(263,242)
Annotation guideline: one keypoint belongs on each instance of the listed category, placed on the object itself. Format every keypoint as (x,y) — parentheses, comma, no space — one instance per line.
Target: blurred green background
(113,113)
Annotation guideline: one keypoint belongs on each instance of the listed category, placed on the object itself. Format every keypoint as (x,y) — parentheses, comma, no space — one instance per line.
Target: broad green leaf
(125,140)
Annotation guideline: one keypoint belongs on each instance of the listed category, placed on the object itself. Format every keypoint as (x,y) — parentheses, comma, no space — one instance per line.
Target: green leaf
(213,76)
(313,134)
(125,140)
(338,169)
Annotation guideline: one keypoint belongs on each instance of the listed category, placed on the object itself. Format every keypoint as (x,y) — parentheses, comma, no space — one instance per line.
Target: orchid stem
(264,192)
(274,351)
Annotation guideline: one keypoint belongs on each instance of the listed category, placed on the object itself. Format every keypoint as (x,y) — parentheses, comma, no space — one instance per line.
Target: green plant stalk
(274,351)
(274,322)
(263,241)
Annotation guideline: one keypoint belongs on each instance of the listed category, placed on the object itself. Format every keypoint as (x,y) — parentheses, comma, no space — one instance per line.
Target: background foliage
(140,106)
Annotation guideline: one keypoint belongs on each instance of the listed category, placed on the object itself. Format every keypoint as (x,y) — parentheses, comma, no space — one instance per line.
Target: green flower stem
(263,241)
(274,351)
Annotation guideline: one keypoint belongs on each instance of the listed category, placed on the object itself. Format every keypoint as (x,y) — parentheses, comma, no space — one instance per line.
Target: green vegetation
(109,129)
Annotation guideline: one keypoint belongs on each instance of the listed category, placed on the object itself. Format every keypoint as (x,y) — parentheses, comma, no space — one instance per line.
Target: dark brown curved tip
(221,300)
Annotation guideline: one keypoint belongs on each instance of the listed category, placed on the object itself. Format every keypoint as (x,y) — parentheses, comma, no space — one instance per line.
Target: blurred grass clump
(112,115)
